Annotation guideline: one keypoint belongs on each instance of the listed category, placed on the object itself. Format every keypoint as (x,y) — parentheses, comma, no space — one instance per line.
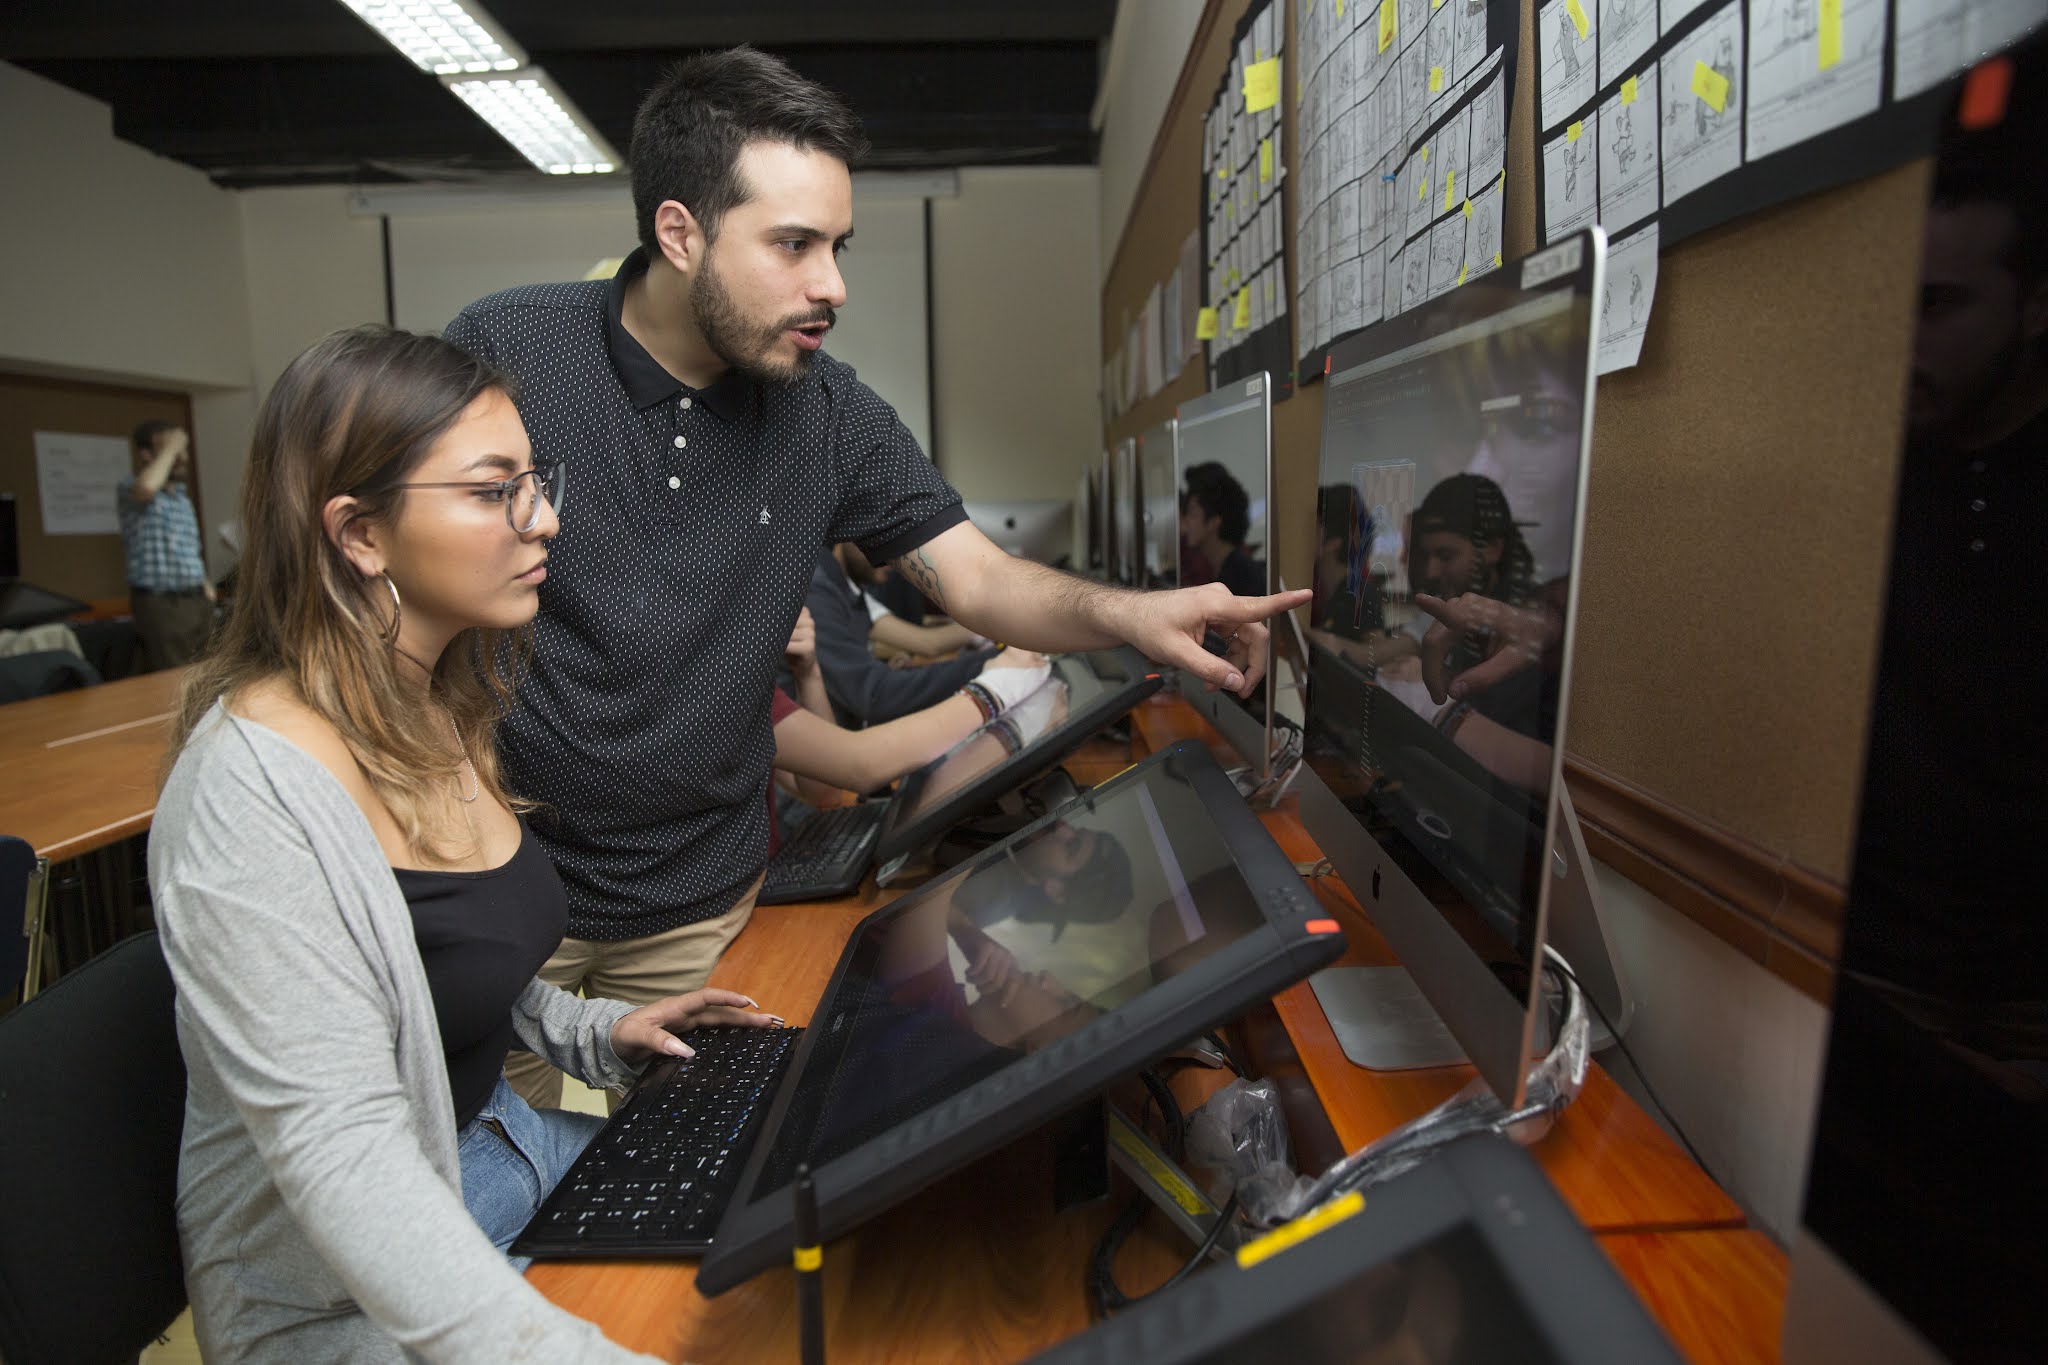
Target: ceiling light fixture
(529,111)
(442,37)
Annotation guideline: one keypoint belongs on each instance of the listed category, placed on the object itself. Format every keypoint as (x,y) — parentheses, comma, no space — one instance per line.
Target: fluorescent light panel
(528,111)
(441,36)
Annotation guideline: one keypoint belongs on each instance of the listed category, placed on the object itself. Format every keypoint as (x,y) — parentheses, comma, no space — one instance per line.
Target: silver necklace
(474,785)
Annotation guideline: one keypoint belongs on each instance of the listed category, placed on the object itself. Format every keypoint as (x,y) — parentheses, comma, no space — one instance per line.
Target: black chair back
(92,1106)
(17,866)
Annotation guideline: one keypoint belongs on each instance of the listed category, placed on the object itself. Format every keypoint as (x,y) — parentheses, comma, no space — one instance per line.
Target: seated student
(1215,516)
(816,757)
(890,632)
(351,907)
(863,689)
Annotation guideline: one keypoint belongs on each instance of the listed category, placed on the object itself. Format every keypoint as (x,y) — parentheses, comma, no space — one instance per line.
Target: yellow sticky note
(1425,154)
(1340,9)
(1386,24)
(1234,276)
(1205,324)
(1436,4)
(1421,191)
(1450,190)
(1223,173)
(1830,33)
(1496,259)
(1572,133)
(1262,85)
(1628,91)
(1243,317)
(1579,20)
(1468,208)
(1436,79)
(1710,85)
(1461,273)
(1265,159)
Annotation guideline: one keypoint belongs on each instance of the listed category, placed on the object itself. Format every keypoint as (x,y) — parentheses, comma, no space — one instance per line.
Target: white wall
(1017,304)
(1732,1049)
(1147,50)
(122,266)
(309,269)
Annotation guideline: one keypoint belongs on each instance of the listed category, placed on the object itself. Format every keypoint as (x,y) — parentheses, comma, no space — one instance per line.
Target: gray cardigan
(319,1197)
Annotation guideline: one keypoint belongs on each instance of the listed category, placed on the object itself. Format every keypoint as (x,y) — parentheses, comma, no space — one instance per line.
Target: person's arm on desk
(1011,599)
(922,641)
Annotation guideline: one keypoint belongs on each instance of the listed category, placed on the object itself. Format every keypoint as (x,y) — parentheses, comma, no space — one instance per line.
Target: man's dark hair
(147,432)
(691,127)
(1473,506)
(1100,889)
(1222,497)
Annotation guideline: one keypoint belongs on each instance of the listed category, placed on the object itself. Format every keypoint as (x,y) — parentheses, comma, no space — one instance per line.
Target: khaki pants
(636,970)
(174,626)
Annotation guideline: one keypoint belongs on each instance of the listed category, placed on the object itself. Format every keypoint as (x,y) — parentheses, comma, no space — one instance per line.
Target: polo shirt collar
(645,381)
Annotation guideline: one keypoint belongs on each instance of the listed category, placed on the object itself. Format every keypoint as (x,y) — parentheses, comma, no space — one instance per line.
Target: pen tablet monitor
(990,1001)
(1022,743)
(1470,1259)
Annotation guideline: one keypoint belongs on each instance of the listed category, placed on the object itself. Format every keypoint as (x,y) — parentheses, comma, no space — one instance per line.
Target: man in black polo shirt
(710,450)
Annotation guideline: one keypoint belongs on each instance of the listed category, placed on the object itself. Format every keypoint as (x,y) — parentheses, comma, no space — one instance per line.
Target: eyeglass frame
(548,487)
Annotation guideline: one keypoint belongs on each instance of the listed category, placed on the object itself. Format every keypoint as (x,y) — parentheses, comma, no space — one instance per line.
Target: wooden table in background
(978,1268)
(80,770)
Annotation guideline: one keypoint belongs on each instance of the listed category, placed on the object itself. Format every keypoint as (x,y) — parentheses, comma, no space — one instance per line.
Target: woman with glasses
(353,909)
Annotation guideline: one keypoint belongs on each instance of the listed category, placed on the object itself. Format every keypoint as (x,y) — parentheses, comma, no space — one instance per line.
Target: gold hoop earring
(397,611)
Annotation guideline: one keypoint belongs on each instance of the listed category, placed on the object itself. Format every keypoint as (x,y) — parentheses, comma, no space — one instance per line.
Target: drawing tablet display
(988,1002)
(1470,1259)
(1023,743)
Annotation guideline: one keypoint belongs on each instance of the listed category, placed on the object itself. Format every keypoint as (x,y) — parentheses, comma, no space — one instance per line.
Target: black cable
(1670,1119)
(1229,1053)
(1104,1295)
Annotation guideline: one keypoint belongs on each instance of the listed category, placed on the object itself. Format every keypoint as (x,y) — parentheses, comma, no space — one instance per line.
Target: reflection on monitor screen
(1158,510)
(1225,486)
(1453,448)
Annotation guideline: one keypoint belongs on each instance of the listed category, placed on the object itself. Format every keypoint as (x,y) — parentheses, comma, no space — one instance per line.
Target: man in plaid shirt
(167,584)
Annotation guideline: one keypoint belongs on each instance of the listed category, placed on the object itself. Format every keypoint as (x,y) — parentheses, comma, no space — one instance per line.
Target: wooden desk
(80,770)
(978,1269)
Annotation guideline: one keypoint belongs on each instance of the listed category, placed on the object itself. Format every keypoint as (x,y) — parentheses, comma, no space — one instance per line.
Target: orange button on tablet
(1321,926)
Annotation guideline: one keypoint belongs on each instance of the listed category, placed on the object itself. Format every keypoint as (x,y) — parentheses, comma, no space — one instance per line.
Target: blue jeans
(510,1168)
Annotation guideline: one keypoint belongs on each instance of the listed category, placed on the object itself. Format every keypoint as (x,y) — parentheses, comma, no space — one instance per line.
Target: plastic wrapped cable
(1242,1136)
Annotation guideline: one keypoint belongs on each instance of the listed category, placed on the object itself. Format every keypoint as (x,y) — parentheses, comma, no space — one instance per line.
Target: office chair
(92,1104)
(18,883)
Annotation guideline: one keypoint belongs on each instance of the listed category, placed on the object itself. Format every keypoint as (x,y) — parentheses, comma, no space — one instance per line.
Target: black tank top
(483,936)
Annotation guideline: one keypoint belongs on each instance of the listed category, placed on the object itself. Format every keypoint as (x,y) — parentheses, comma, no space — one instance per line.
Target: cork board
(85,567)
(1740,502)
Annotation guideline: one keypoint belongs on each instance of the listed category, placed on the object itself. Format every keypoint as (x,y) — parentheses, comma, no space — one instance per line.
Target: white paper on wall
(1807,76)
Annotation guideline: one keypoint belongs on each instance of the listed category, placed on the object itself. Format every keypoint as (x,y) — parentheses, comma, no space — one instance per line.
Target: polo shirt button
(682,441)
(1977,545)
(686,405)
(1977,504)
(674,482)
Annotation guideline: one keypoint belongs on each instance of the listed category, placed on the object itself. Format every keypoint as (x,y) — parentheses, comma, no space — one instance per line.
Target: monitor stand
(1384,1022)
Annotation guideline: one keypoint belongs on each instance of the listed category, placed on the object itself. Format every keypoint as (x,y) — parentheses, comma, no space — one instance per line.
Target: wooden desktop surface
(977,1268)
(80,770)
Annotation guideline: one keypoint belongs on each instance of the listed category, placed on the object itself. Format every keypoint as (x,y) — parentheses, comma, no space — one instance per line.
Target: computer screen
(989,1002)
(1470,1260)
(1035,529)
(10,539)
(1453,458)
(1158,510)
(1924,1234)
(1015,747)
(1123,513)
(1225,486)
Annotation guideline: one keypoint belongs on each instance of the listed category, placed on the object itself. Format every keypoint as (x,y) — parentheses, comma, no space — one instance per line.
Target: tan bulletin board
(1740,502)
(86,567)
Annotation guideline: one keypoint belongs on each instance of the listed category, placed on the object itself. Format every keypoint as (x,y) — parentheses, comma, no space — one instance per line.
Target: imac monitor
(1472,1259)
(1021,744)
(1924,1235)
(1123,513)
(1454,447)
(1224,485)
(1158,509)
(1035,529)
(1137,916)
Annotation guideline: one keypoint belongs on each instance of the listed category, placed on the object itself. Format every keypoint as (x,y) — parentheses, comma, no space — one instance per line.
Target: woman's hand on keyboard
(652,1029)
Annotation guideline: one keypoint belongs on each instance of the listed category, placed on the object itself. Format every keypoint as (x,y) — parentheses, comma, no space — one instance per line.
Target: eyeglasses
(521,494)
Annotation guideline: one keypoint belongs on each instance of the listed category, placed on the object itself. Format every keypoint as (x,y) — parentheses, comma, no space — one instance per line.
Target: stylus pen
(810,1271)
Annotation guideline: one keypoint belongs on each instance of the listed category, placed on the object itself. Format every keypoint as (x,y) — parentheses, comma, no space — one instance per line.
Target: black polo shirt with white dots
(690,524)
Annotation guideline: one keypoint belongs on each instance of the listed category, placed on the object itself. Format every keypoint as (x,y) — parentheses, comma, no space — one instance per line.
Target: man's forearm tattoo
(923,575)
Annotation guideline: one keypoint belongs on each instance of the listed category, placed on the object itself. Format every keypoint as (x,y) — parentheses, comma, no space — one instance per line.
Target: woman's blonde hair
(356,413)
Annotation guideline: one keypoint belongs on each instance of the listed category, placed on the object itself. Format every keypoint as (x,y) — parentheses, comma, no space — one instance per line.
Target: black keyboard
(656,1179)
(826,857)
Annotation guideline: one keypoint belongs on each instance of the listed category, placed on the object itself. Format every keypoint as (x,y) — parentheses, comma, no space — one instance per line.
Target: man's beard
(738,342)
